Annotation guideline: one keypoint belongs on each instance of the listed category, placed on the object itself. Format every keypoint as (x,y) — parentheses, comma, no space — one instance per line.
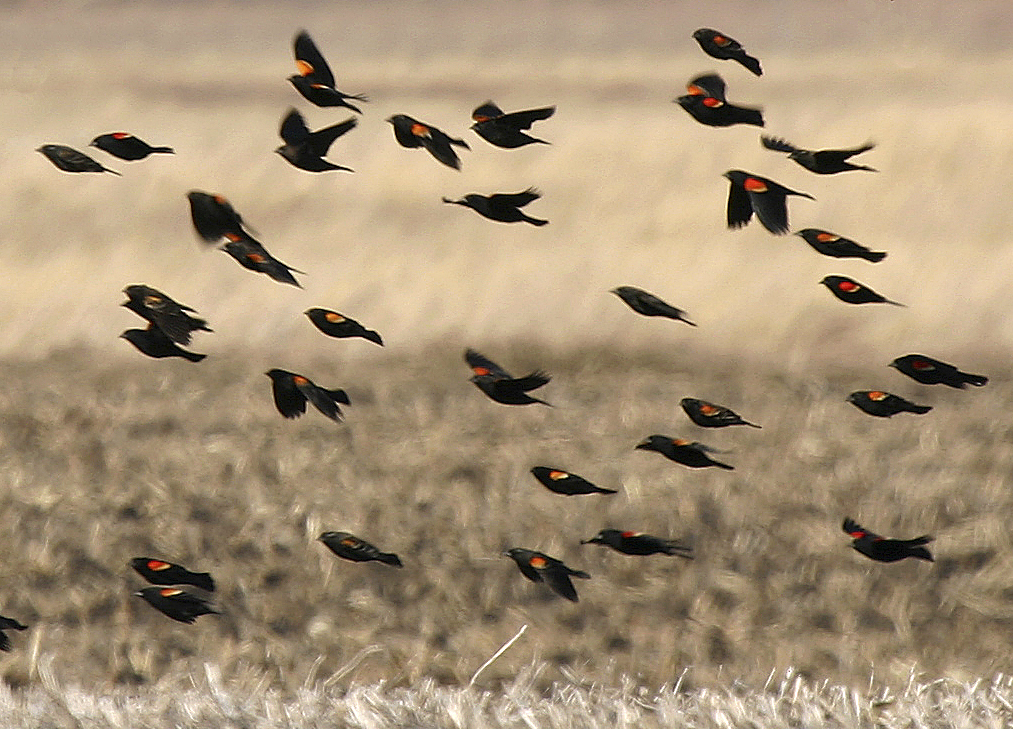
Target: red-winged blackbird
(499,385)
(566,483)
(69,159)
(882,549)
(883,404)
(315,80)
(705,101)
(848,290)
(334,324)
(153,342)
(8,624)
(504,130)
(708,415)
(822,162)
(412,133)
(648,304)
(305,149)
(749,193)
(158,572)
(251,254)
(291,391)
(539,567)
(127,146)
(639,543)
(213,216)
(720,46)
(930,371)
(349,546)
(177,604)
(503,207)
(680,450)
(833,245)
(165,313)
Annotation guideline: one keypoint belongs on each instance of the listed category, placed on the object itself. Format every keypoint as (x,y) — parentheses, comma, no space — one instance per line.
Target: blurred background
(107,455)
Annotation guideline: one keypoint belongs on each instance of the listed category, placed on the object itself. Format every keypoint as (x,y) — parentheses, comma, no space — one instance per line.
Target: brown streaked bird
(648,304)
(412,133)
(850,291)
(291,391)
(708,415)
(154,343)
(930,371)
(340,326)
(305,149)
(500,385)
(688,453)
(566,483)
(127,146)
(503,207)
(540,567)
(350,547)
(749,193)
(164,312)
(823,161)
(883,404)
(5,625)
(638,543)
(833,245)
(315,81)
(252,255)
(159,572)
(882,549)
(69,159)
(213,216)
(718,45)
(505,130)
(177,604)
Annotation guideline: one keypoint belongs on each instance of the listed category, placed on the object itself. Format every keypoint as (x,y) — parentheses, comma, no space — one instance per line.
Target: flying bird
(5,625)
(638,543)
(412,133)
(718,45)
(315,80)
(506,130)
(883,404)
(291,391)
(350,547)
(648,304)
(305,149)
(500,385)
(540,567)
(749,193)
(154,343)
(167,314)
(502,207)
(680,450)
(159,572)
(708,415)
(930,371)
(338,325)
(252,255)
(850,291)
(213,217)
(823,161)
(69,159)
(833,245)
(566,483)
(882,549)
(177,604)
(705,101)
(126,146)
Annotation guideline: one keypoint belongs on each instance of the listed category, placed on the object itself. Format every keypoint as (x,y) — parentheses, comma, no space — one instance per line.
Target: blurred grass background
(107,455)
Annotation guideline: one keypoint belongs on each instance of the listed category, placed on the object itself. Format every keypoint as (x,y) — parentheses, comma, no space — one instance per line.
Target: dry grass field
(106,455)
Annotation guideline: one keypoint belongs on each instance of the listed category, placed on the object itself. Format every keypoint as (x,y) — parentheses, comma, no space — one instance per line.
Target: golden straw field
(107,455)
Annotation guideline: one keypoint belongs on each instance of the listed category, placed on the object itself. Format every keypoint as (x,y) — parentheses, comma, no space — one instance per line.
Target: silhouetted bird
(648,304)
(705,101)
(680,450)
(126,146)
(305,149)
(708,415)
(499,385)
(833,245)
(177,604)
(350,547)
(502,206)
(69,159)
(749,193)
(539,567)
(883,404)
(566,483)
(8,624)
(252,255)
(882,549)
(158,572)
(214,217)
(315,80)
(412,133)
(504,130)
(850,291)
(153,342)
(930,371)
(291,391)
(164,312)
(822,162)
(338,325)
(638,543)
(720,46)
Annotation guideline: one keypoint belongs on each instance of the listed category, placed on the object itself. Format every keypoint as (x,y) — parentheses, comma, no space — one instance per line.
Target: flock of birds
(184,595)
